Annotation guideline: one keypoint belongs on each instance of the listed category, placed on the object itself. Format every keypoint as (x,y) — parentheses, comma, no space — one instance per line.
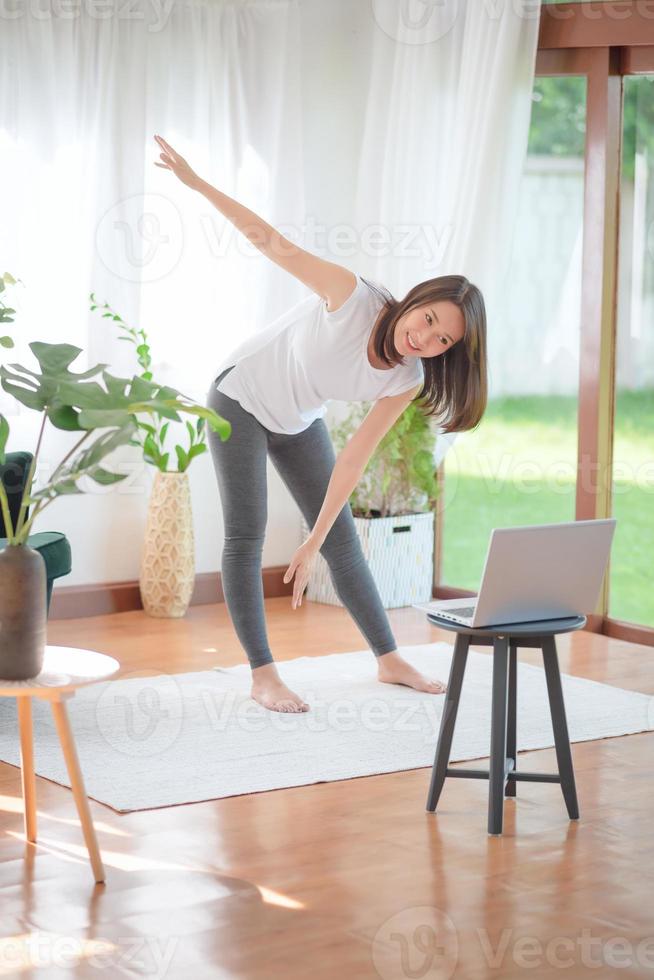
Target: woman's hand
(301,564)
(172,160)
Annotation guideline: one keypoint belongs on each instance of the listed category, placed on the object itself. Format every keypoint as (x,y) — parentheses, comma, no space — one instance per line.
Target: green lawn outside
(519,467)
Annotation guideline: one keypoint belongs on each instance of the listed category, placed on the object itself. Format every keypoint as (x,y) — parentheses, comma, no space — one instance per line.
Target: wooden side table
(64,670)
(502,773)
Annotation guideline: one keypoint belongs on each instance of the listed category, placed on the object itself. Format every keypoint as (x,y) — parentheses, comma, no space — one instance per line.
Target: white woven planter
(400,554)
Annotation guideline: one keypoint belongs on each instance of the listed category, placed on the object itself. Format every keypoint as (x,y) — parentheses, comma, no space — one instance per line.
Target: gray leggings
(304,461)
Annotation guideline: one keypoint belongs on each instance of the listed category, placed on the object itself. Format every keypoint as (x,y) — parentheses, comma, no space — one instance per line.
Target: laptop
(534,572)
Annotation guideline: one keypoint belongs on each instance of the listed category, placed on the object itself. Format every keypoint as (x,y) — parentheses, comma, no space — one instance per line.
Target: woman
(349,340)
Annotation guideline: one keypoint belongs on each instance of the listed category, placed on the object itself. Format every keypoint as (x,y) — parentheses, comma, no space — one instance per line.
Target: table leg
(24,704)
(448,719)
(560,726)
(511,746)
(77,785)
(497,772)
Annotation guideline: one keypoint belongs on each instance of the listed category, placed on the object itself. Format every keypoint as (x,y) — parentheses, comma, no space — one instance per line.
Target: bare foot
(393,669)
(269,690)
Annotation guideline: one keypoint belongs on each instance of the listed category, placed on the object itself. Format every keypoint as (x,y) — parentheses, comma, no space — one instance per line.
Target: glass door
(520,465)
(631,582)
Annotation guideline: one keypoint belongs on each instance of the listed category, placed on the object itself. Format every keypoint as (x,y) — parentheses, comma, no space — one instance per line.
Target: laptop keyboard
(462,610)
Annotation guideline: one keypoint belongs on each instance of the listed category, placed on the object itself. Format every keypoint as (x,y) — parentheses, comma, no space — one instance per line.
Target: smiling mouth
(411,344)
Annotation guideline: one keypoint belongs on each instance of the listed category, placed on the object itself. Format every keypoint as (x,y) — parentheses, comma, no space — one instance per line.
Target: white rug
(165,739)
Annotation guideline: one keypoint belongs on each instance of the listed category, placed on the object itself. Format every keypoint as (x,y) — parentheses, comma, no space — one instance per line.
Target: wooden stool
(502,774)
(64,670)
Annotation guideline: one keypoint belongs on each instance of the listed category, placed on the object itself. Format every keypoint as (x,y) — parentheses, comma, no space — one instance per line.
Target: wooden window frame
(603,42)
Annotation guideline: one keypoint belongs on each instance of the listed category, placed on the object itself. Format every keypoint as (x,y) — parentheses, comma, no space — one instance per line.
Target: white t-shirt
(285,374)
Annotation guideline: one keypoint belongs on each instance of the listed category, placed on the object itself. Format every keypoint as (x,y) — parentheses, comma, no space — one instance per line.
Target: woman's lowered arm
(347,471)
(328,279)
(354,457)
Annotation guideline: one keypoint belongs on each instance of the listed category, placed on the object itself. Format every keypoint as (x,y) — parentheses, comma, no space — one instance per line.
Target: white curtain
(388,136)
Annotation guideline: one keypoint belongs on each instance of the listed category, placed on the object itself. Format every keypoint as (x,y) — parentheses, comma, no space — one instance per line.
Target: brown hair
(455,387)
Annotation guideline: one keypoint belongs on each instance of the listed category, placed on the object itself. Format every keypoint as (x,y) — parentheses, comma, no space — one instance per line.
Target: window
(520,465)
(631,596)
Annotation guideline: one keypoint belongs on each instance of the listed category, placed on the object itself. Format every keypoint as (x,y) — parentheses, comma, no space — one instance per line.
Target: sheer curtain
(388,136)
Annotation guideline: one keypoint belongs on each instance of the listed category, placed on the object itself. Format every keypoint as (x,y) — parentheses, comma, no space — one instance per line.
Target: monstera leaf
(74,402)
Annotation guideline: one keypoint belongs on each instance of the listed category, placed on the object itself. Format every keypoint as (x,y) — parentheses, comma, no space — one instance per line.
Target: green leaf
(158,406)
(27,397)
(196,450)
(182,459)
(162,434)
(64,417)
(141,390)
(106,478)
(150,446)
(6,342)
(61,488)
(85,462)
(191,431)
(102,418)
(54,358)
(4,435)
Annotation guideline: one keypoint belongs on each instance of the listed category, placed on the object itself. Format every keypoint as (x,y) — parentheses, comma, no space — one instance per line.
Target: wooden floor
(343,879)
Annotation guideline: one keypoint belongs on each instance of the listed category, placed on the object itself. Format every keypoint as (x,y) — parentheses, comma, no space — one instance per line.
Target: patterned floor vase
(167,571)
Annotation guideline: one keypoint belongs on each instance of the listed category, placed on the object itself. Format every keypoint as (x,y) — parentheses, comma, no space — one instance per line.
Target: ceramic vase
(167,572)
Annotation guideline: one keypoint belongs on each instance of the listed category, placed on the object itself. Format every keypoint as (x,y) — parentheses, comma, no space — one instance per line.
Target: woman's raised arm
(333,282)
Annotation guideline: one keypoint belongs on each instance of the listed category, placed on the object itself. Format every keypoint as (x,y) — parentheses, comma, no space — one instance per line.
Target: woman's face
(433,328)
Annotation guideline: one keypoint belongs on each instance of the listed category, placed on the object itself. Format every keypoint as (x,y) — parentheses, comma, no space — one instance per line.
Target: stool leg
(511,750)
(560,726)
(448,719)
(24,704)
(77,786)
(496,772)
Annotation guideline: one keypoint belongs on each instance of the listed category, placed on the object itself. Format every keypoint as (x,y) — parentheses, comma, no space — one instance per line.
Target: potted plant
(167,568)
(393,509)
(76,403)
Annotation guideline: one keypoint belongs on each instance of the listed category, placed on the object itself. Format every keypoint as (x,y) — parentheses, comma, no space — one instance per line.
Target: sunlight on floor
(271,897)
(14,804)
(125,862)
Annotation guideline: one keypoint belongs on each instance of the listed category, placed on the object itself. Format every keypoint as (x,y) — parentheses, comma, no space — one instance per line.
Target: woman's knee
(243,549)
(342,547)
